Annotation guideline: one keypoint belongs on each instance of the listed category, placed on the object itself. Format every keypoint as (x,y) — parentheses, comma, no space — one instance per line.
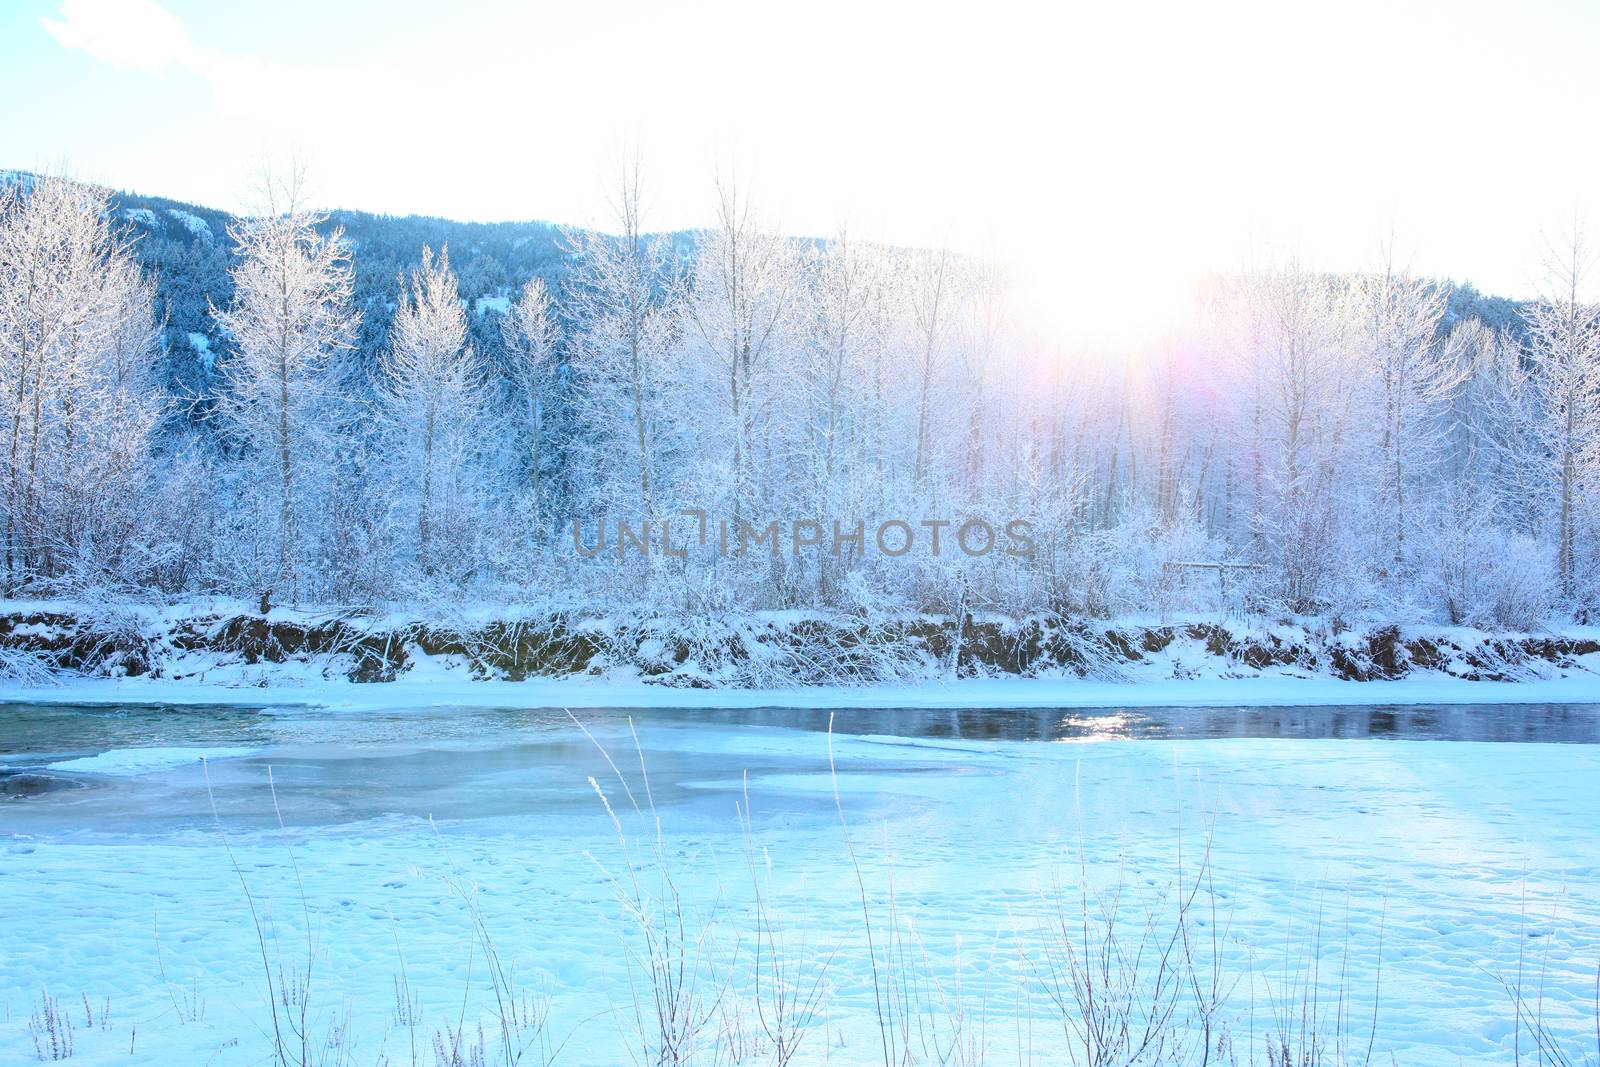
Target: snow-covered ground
(1417,873)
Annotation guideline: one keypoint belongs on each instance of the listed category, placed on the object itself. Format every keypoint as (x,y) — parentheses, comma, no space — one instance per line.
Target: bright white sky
(1105,150)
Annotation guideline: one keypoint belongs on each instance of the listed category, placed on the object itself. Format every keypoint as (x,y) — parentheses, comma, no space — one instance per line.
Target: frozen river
(359,887)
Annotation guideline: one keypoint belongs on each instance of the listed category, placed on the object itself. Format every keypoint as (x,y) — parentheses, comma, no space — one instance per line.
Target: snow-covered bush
(1485,576)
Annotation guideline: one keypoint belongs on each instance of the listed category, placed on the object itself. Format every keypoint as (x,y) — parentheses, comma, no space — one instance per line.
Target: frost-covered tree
(107,412)
(1564,343)
(621,295)
(1498,443)
(743,305)
(433,402)
(844,286)
(983,326)
(1294,380)
(284,398)
(1413,379)
(532,337)
(77,339)
(931,297)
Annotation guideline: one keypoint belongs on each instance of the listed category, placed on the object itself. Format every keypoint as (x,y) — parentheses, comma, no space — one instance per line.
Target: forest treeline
(346,410)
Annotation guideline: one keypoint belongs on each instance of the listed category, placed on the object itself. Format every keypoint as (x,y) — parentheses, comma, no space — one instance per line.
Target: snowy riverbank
(219,654)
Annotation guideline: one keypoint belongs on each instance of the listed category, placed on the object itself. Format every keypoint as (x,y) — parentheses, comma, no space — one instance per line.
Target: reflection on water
(342,768)
(35,734)
(1562,723)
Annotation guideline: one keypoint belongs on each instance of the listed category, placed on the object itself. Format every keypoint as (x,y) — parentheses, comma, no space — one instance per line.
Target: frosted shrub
(180,519)
(1155,580)
(1129,568)
(1451,575)
(1090,585)
(860,593)
(1484,576)
(26,668)
(1516,588)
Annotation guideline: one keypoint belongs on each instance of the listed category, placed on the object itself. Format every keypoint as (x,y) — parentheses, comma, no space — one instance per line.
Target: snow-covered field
(1358,854)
